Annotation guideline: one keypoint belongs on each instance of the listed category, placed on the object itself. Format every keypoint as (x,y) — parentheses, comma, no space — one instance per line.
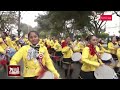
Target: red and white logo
(106,17)
(13,70)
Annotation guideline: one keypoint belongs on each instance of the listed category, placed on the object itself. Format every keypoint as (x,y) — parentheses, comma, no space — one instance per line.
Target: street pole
(19,16)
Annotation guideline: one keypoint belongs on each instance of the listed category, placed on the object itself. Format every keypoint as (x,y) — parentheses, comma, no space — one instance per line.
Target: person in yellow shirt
(100,46)
(76,46)
(102,50)
(67,55)
(52,51)
(90,59)
(34,57)
(79,45)
(113,46)
(22,41)
(8,40)
(58,51)
(3,42)
(13,39)
(6,43)
(2,51)
(118,50)
(3,62)
(48,45)
(26,40)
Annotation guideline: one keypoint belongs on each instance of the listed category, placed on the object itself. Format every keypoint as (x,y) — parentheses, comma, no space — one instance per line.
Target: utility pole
(19,30)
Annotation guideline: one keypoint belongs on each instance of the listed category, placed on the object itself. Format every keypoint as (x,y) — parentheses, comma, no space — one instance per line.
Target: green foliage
(25,28)
(7,19)
(103,35)
(57,22)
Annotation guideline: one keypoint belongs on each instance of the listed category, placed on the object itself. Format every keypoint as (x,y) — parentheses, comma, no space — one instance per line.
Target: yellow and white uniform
(111,48)
(90,62)
(57,46)
(32,68)
(67,52)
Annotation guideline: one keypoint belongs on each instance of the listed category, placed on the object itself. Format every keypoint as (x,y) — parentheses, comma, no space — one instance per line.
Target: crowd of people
(38,54)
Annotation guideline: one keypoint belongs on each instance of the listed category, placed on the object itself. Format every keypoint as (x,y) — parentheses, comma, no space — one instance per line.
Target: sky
(28,17)
(112,27)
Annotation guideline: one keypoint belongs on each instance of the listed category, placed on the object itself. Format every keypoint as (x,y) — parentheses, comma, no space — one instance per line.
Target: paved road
(75,72)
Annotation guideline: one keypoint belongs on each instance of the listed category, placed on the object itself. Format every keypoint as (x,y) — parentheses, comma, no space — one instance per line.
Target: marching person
(90,59)
(5,41)
(76,46)
(13,39)
(113,47)
(58,53)
(67,54)
(34,57)
(6,44)
(100,46)
(3,61)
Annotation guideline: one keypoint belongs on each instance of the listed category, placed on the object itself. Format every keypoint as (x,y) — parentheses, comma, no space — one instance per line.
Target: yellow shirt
(90,63)
(41,42)
(9,42)
(2,44)
(52,44)
(82,46)
(57,46)
(25,40)
(76,48)
(15,45)
(48,42)
(2,50)
(103,50)
(118,54)
(99,50)
(67,52)
(111,48)
(31,68)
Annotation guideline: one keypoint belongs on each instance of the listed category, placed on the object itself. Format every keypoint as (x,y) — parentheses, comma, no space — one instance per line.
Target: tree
(95,26)
(68,22)
(7,20)
(103,35)
(63,21)
(25,28)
